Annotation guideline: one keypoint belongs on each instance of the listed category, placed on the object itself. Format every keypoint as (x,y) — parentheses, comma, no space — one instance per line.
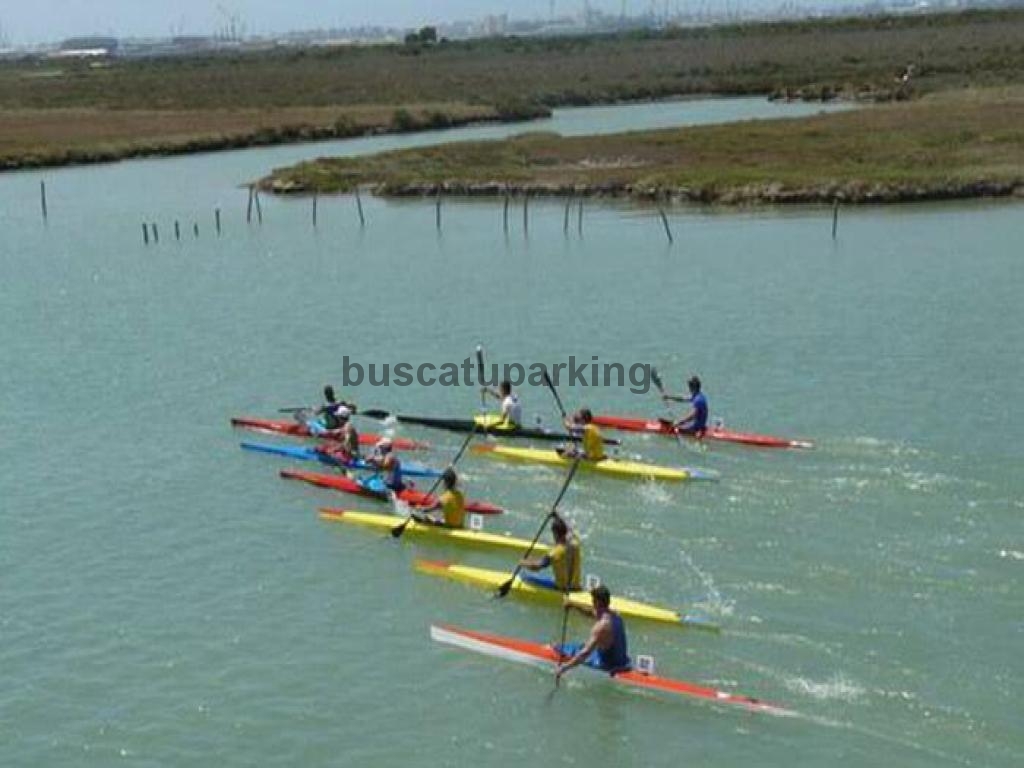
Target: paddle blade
(504,588)
(374,414)
(398,530)
(657,380)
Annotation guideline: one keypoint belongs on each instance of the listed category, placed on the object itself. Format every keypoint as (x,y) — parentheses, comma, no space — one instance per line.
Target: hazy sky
(29,21)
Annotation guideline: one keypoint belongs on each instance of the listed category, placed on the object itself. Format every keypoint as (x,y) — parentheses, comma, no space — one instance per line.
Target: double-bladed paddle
(656,378)
(558,400)
(504,588)
(480,375)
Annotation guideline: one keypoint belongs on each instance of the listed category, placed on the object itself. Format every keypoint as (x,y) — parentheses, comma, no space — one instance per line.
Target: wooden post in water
(259,211)
(505,212)
(156,233)
(216,219)
(145,234)
(835,217)
(526,214)
(664,220)
(42,199)
(314,209)
(248,210)
(565,224)
(579,221)
(359,207)
(177,230)
(437,210)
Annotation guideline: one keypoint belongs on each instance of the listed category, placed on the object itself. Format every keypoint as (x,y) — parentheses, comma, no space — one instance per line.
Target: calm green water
(167,600)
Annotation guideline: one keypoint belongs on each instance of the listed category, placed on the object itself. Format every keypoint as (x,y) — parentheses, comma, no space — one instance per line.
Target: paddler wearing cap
(388,464)
(696,421)
(564,558)
(606,648)
(451,504)
(331,415)
(581,424)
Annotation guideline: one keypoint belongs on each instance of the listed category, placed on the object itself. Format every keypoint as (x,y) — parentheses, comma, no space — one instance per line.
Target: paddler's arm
(676,398)
(585,651)
(536,564)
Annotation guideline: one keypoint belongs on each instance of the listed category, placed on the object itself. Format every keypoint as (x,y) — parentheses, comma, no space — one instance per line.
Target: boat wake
(713,603)
(839,687)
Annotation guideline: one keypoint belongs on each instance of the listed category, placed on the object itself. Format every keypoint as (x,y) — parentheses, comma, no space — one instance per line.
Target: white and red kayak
(664,427)
(295,429)
(547,657)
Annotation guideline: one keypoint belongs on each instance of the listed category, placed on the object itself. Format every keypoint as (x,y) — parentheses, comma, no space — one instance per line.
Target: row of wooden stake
(254,204)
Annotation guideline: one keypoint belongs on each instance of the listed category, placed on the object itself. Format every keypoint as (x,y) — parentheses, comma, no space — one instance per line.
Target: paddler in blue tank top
(696,421)
(606,648)
(388,464)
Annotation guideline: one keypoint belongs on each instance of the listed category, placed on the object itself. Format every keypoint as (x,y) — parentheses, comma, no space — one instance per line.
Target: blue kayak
(306,453)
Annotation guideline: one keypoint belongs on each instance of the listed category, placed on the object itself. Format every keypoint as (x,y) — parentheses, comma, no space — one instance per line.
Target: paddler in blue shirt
(696,421)
(606,648)
(389,465)
(564,559)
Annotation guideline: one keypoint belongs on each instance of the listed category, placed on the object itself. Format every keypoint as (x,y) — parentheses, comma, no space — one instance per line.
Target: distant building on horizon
(87,47)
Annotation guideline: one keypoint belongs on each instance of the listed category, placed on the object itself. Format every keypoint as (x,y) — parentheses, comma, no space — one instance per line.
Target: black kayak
(489,425)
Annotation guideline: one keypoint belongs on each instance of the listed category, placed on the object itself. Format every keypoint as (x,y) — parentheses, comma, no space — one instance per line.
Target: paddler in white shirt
(511,408)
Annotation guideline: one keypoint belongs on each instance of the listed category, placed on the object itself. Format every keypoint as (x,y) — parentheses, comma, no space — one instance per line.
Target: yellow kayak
(481,577)
(611,467)
(462,536)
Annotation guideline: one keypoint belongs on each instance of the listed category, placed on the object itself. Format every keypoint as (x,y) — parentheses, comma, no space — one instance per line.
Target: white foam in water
(838,688)
(654,492)
(1012,554)
(714,603)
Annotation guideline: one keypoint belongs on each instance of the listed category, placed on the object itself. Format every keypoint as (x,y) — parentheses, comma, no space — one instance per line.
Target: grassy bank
(37,138)
(961,144)
(123,108)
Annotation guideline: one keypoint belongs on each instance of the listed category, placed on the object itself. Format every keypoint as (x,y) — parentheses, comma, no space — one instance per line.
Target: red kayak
(660,427)
(409,495)
(294,428)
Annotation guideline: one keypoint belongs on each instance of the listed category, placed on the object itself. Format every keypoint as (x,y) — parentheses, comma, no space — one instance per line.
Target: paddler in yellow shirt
(451,504)
(591,445)
(564,559)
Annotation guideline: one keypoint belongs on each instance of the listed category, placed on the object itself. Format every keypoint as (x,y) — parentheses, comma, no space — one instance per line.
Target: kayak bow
(611,467)
(437,533)
(659,427)
(481,577)
(548,658)
(309,453)
(364,488)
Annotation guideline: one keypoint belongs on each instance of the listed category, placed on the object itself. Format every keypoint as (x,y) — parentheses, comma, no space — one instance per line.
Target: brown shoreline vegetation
(56,113)
(946,146)
(49,138)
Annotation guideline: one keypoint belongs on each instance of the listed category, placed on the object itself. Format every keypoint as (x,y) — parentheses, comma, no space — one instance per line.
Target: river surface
(166,599)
